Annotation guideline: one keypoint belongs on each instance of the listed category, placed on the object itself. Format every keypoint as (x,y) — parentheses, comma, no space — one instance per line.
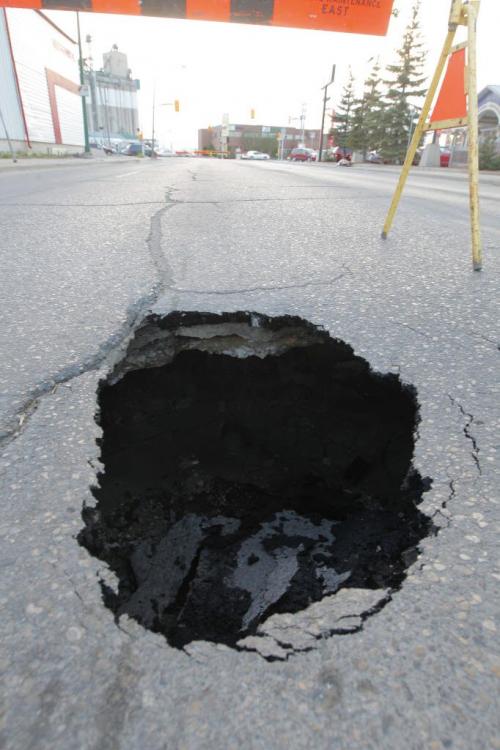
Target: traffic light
(252,114)
(177,105)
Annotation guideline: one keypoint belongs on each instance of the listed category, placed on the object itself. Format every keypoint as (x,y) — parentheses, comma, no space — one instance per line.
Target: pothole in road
(254,469)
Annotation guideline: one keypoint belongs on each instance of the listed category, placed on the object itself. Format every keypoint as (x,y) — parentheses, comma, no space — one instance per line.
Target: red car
(302,154)
(445,157)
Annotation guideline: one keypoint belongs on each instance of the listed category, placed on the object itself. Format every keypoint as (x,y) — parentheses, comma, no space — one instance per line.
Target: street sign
(348,16)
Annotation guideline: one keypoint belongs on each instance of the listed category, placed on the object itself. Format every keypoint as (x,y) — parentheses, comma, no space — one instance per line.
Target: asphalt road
(86,251)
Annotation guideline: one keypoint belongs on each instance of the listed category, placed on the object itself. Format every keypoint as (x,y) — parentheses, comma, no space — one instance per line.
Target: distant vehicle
(302,154)
(183,152)
(445,157)
(374,158)
(132,149)
(158,151)
(109,150)
(340,152)
(258,155)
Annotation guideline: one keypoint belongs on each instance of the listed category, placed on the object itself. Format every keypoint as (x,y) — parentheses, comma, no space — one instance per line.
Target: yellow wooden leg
(419,130)
(472,12)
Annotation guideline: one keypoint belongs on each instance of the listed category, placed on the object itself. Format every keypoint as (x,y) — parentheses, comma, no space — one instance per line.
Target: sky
(217,68)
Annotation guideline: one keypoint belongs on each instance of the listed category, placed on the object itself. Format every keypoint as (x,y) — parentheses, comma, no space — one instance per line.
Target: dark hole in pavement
(252,466)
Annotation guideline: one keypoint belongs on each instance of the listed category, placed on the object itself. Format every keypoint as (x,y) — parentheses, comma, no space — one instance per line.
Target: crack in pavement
(17,422)
(129,204)
(410,328)
(482,336)
(323,636)
(265,288)
(425,335)
(467,432)
(264,200)
(154,244)
(82,205)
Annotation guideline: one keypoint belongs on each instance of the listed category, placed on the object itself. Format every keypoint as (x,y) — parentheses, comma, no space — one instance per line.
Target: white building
(40,98)
(112,111)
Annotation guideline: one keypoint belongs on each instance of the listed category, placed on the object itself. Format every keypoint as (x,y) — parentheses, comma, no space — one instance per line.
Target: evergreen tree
(341,128)
(367,126)
(405,83)
(357,136)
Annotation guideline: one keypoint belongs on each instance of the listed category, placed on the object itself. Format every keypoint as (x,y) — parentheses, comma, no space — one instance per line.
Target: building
(40,103)
(272,139)
(489,113)
(112,98)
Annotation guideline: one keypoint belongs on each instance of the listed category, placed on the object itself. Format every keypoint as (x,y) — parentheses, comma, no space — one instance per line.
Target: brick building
(237,138)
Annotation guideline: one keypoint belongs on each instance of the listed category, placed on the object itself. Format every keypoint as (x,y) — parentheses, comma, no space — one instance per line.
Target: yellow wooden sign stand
(463,13)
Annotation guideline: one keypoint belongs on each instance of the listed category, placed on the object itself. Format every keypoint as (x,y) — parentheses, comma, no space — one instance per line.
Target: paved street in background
(87,250)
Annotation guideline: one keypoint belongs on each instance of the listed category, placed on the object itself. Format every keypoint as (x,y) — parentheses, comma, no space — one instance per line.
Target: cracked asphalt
(86,252)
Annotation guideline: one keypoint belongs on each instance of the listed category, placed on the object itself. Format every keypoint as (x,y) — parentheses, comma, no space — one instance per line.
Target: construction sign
(456,105)
(450,110)
(348,16)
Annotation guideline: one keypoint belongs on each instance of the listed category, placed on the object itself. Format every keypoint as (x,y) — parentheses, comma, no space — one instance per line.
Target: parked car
(109,149)
(259,155)
(302,154)
(445,157)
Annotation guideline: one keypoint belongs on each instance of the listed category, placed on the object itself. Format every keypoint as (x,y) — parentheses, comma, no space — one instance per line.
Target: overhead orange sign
(451,104)
(349,16)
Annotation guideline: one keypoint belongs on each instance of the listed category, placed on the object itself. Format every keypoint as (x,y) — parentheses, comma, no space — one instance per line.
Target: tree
(367,127)
(405,83)
(267,145)
(489,158)
(342,126)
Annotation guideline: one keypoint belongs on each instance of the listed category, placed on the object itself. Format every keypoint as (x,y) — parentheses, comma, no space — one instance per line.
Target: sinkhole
(252,466)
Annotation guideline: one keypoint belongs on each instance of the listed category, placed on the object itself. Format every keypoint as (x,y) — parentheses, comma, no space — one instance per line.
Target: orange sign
(350,16)
(452,102)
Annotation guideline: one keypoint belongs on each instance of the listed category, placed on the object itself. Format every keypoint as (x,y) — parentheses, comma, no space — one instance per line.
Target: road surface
(87,250)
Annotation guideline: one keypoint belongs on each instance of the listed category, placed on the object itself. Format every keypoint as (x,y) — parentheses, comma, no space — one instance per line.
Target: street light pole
(326,98)
(84,103)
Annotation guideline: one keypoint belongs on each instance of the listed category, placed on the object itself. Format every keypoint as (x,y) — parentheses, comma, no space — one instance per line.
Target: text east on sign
(350,16)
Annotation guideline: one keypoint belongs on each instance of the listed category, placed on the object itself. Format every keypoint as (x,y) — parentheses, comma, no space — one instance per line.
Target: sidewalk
(447,173)
(34,162)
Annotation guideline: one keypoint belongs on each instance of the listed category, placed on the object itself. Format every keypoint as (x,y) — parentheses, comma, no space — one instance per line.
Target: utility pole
(303,123)
(325,100)
(153,152)
(82,82)
(94,118)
